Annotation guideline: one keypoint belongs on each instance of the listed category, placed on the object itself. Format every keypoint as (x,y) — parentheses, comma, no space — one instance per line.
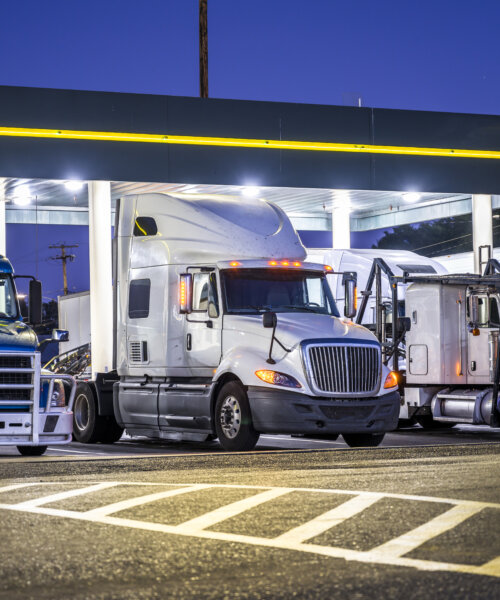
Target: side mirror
(404,324)
(269,319)
(349,281)
(35,302)
(60,335)
(186,293)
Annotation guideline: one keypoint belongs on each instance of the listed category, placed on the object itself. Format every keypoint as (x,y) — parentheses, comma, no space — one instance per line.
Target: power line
(63,257)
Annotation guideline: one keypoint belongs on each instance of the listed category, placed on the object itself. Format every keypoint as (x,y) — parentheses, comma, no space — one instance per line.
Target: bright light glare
(411,196)
(22,195)
(250,191)
(74,185)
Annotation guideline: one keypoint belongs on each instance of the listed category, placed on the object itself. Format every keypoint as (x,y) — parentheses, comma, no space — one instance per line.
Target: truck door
(478,355)
(204,324)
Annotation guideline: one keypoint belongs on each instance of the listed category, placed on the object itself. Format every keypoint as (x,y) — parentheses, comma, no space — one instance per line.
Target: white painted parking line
(230,510)
(65,495)
(327,520)
(391,553)
(109,509)
(72,451)
(437,526)
(16,486)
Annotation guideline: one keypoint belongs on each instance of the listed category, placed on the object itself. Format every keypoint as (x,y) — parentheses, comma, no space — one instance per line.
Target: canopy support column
(101,278)
(482,230)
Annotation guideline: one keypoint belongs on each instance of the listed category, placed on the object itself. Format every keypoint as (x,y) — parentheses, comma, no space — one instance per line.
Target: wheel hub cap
(81,412)
(230,417)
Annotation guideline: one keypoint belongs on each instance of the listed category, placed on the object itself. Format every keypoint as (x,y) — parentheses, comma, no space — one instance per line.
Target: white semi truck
(222,330)
(450,333)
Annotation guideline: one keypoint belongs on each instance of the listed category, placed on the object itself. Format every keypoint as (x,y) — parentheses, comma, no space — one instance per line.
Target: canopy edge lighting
(243,143)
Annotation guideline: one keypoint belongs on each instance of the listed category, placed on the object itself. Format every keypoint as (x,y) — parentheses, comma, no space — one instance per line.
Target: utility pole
(63,257)
(203,49)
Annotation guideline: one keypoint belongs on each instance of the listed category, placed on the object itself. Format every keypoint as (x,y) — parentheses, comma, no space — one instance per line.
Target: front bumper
(283,411)
(53,428)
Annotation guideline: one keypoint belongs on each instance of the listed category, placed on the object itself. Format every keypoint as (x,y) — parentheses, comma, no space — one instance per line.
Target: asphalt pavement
(394,522)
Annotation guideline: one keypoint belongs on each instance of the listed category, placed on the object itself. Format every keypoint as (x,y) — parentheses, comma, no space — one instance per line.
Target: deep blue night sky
(426,55)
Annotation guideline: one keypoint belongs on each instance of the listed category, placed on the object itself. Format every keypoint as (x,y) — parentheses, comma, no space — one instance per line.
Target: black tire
(427,422)
(32,450)
(88,426)
(233,419)
(363,440)
(112,432)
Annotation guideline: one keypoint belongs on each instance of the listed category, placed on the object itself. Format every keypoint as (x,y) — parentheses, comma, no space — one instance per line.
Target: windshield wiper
(295,307)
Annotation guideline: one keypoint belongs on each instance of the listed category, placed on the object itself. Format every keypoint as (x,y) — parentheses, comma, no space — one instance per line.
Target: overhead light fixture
(250,191)
(74,185)
(411,196)
(22,195)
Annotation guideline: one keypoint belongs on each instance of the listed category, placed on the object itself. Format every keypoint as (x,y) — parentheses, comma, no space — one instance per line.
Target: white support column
(101,284)
(482,227)
(341,227)
(3,235)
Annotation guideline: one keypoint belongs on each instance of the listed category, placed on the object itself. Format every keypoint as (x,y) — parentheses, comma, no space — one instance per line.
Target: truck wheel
(88,426)
(112,432)
(233,420)
(32,450)
(363,440)
(427,422)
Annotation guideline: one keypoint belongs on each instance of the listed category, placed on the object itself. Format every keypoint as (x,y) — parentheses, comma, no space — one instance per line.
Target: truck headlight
(277,378)
(58,399)
(392,380)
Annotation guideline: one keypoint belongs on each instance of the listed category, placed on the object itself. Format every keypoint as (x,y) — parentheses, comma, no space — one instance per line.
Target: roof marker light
(273,263)
(285,263)
(328,268)
(234,263)
(296,264)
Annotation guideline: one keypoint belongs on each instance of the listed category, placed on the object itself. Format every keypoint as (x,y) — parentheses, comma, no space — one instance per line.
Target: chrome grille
(17,372)
(343,369)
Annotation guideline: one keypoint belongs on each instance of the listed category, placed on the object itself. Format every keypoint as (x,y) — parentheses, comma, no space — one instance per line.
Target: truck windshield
(278,290)
(8,303)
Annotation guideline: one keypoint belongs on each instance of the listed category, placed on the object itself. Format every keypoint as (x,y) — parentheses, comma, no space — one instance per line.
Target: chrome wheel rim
(81,412)
(230,417)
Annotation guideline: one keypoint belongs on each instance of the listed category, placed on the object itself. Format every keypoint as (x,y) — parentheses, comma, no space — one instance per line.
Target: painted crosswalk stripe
(327,520)
(65,495)
(140,500)
(231,510)
(440,524)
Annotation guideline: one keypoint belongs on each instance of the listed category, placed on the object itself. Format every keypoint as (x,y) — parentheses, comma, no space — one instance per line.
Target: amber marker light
(273,263)
(234,263)
(285,263)
(391,380)
(296,264)
(328,268)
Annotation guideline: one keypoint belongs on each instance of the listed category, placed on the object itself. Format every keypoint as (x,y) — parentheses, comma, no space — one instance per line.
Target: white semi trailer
(360,261)
(222,329)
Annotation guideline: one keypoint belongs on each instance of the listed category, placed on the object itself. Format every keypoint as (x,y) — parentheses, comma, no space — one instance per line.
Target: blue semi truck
(35,404)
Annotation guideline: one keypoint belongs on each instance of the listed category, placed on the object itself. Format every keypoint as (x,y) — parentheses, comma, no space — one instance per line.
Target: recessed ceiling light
(250,191)
(22,195)
(74,185)
(411,196)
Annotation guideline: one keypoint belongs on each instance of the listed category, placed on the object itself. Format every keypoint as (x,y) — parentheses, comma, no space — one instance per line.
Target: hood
(17,336)
(295,327)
